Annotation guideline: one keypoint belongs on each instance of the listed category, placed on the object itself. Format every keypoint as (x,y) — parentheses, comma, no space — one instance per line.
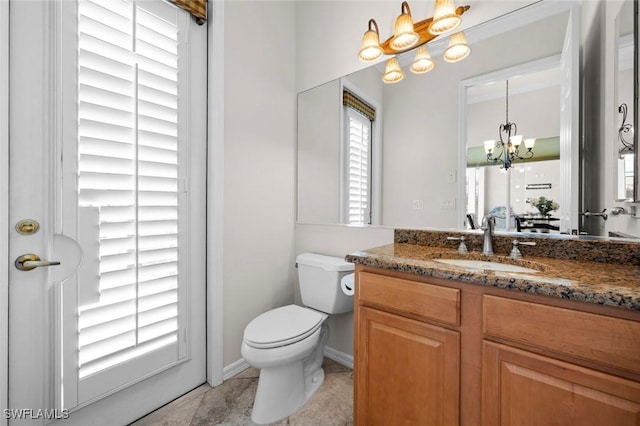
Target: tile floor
(230,403)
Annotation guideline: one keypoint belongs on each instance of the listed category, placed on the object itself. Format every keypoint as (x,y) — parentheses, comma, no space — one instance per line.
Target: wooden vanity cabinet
(523,388)
(407,369)
(438,352)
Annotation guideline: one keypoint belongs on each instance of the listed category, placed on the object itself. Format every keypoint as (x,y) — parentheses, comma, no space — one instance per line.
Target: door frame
(215,192)
(4,207)
(215,186)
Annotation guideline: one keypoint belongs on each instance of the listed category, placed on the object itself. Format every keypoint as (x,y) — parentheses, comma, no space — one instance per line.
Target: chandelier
(509,151)
(407,36)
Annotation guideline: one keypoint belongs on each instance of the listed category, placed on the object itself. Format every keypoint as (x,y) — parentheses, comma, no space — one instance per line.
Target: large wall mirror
(418,151)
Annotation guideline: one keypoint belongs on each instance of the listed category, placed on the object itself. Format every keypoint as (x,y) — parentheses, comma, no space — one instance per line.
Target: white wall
(259,143)
(318,169)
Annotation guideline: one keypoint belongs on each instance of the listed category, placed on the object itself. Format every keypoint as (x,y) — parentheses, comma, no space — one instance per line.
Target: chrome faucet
(488,222)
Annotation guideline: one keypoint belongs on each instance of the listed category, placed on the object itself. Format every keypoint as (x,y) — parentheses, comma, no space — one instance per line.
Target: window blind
(353,101)
(358,174)
(128,171)
(197,8)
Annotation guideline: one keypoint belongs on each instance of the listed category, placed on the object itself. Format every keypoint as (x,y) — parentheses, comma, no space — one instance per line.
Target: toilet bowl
(289,360)
(287,343)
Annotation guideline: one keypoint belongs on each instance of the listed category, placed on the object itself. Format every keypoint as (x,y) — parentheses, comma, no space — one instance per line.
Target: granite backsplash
(547,245)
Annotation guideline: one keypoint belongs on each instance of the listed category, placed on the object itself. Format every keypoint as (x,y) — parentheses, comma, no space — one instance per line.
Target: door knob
(27,262)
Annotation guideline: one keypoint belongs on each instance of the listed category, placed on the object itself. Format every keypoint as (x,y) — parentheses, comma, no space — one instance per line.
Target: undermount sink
(486,265)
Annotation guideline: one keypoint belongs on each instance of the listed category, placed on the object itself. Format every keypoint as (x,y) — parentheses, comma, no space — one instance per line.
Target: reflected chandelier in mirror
(509,151)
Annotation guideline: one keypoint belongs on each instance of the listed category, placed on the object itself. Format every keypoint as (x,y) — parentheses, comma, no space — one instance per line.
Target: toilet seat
(282,326)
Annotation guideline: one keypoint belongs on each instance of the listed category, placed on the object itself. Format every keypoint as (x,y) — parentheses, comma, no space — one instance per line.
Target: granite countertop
(602,283)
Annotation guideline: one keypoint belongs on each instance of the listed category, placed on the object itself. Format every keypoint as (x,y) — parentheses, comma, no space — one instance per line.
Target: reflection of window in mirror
(475,196)
(356,179)
(625,177)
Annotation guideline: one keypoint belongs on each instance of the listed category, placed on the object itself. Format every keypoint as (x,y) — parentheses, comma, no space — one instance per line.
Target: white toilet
(287,343)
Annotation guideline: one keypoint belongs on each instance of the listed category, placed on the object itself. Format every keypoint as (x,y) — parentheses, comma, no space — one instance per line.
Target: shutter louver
(358,168)
(128,169)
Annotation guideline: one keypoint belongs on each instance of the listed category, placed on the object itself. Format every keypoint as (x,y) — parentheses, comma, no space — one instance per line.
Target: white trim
(339,357)
(215,188)
(4,208)
(235,368)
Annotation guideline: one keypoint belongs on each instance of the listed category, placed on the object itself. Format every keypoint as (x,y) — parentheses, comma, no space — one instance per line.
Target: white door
(107,150)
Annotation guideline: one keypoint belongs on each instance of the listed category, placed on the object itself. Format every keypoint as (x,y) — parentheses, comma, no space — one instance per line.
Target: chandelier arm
(503,129)
(498,155)
(626,129)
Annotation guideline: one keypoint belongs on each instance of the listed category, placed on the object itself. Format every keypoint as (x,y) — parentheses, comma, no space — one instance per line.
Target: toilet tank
(319,277)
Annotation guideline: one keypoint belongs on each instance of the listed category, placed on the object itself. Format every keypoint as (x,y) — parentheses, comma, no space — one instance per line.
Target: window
(357,176)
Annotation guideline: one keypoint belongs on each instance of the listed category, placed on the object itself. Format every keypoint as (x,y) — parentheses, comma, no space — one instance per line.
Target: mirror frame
(636,90)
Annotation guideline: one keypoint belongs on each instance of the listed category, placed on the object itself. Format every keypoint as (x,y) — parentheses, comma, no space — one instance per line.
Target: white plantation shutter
(128,171)
(358,168)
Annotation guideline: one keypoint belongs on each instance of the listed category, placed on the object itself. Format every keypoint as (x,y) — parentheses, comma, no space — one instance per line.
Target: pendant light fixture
(458,48)
(371,49)
(404,36)
(422,62)
(445,17)
(408,35)
(393,73)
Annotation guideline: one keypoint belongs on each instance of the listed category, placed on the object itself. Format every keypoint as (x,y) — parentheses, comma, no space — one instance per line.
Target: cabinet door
(407,372)
(522,388)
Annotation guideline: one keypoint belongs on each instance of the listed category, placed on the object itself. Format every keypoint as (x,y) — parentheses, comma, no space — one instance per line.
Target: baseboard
(234,369)
(339,357)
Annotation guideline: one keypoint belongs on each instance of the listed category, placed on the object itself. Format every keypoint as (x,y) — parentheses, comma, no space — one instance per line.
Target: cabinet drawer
(418,299)
(609,341)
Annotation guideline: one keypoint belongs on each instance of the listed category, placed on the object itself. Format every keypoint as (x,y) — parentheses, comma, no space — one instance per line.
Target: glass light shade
(489,145)
(404,36)
(516,140)
(393,73)
(422,63)
(458,48)
(371,49)
(444,17)
(529,143)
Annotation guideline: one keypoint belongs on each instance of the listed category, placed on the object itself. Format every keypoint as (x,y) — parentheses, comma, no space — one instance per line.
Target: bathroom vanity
(439,344)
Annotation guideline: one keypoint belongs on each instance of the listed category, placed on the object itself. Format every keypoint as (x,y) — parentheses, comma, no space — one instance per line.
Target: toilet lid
(282,326)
